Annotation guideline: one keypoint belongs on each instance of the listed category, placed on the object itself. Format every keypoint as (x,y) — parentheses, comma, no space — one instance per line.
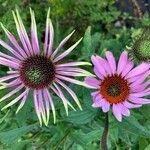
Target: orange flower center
(114,89)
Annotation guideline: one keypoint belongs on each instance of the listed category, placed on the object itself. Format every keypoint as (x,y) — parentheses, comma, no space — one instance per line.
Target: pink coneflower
(120,86)
(41,71)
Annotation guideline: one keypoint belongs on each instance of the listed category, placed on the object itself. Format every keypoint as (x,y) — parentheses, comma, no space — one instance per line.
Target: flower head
(120,86)
(39,69)
(140,49)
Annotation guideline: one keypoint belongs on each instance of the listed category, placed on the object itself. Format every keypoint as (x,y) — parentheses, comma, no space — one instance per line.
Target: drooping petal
(70,92)
(22,102)
(49,98)
(36,105)
(12,92)
(42,106)
(16,99)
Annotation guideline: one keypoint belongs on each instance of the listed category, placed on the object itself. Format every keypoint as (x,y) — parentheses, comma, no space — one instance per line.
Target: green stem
(103,142)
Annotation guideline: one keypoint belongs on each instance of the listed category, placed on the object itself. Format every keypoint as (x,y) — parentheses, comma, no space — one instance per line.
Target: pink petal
(117,112)
(138,100)
(105,106)
(122,62)
(92,81)
(130,105)
(111,61)
(138,70)
(126,70)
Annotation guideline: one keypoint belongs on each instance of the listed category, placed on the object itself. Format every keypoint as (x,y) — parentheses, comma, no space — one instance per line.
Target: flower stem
(103,142)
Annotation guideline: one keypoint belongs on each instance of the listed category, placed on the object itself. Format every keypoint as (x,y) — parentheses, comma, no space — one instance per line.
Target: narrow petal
(111,61)
(122,62)
(24,33)
(92,81)
(71,93)
(34,37)
(74,81)
(49,98)
(62,97)
(73,69)
(8,77)
(51,38)
(6,46)
(70,64)
(61,56)
(42,106)
(12,92)
(36,105)
(14,42)
(117,112)
(9,58)
(22,102)
(9,63)
(16,99)
(46,32)
(62,43)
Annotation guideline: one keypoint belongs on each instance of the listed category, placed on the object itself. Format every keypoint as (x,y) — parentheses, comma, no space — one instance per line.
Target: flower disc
(37,72)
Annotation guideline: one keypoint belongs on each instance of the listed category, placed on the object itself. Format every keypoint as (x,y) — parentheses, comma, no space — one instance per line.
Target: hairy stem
(103,142)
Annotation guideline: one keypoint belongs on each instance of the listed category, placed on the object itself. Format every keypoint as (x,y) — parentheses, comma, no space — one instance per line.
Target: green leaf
(11,136)
(81,117)
(132,125)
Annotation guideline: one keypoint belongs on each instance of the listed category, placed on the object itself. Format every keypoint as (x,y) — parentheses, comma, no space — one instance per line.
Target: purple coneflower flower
(120,86)
(32,68)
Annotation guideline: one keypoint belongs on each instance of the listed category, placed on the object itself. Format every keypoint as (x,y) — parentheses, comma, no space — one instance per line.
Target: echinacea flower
(39,69)
(140,50)
(119,85)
